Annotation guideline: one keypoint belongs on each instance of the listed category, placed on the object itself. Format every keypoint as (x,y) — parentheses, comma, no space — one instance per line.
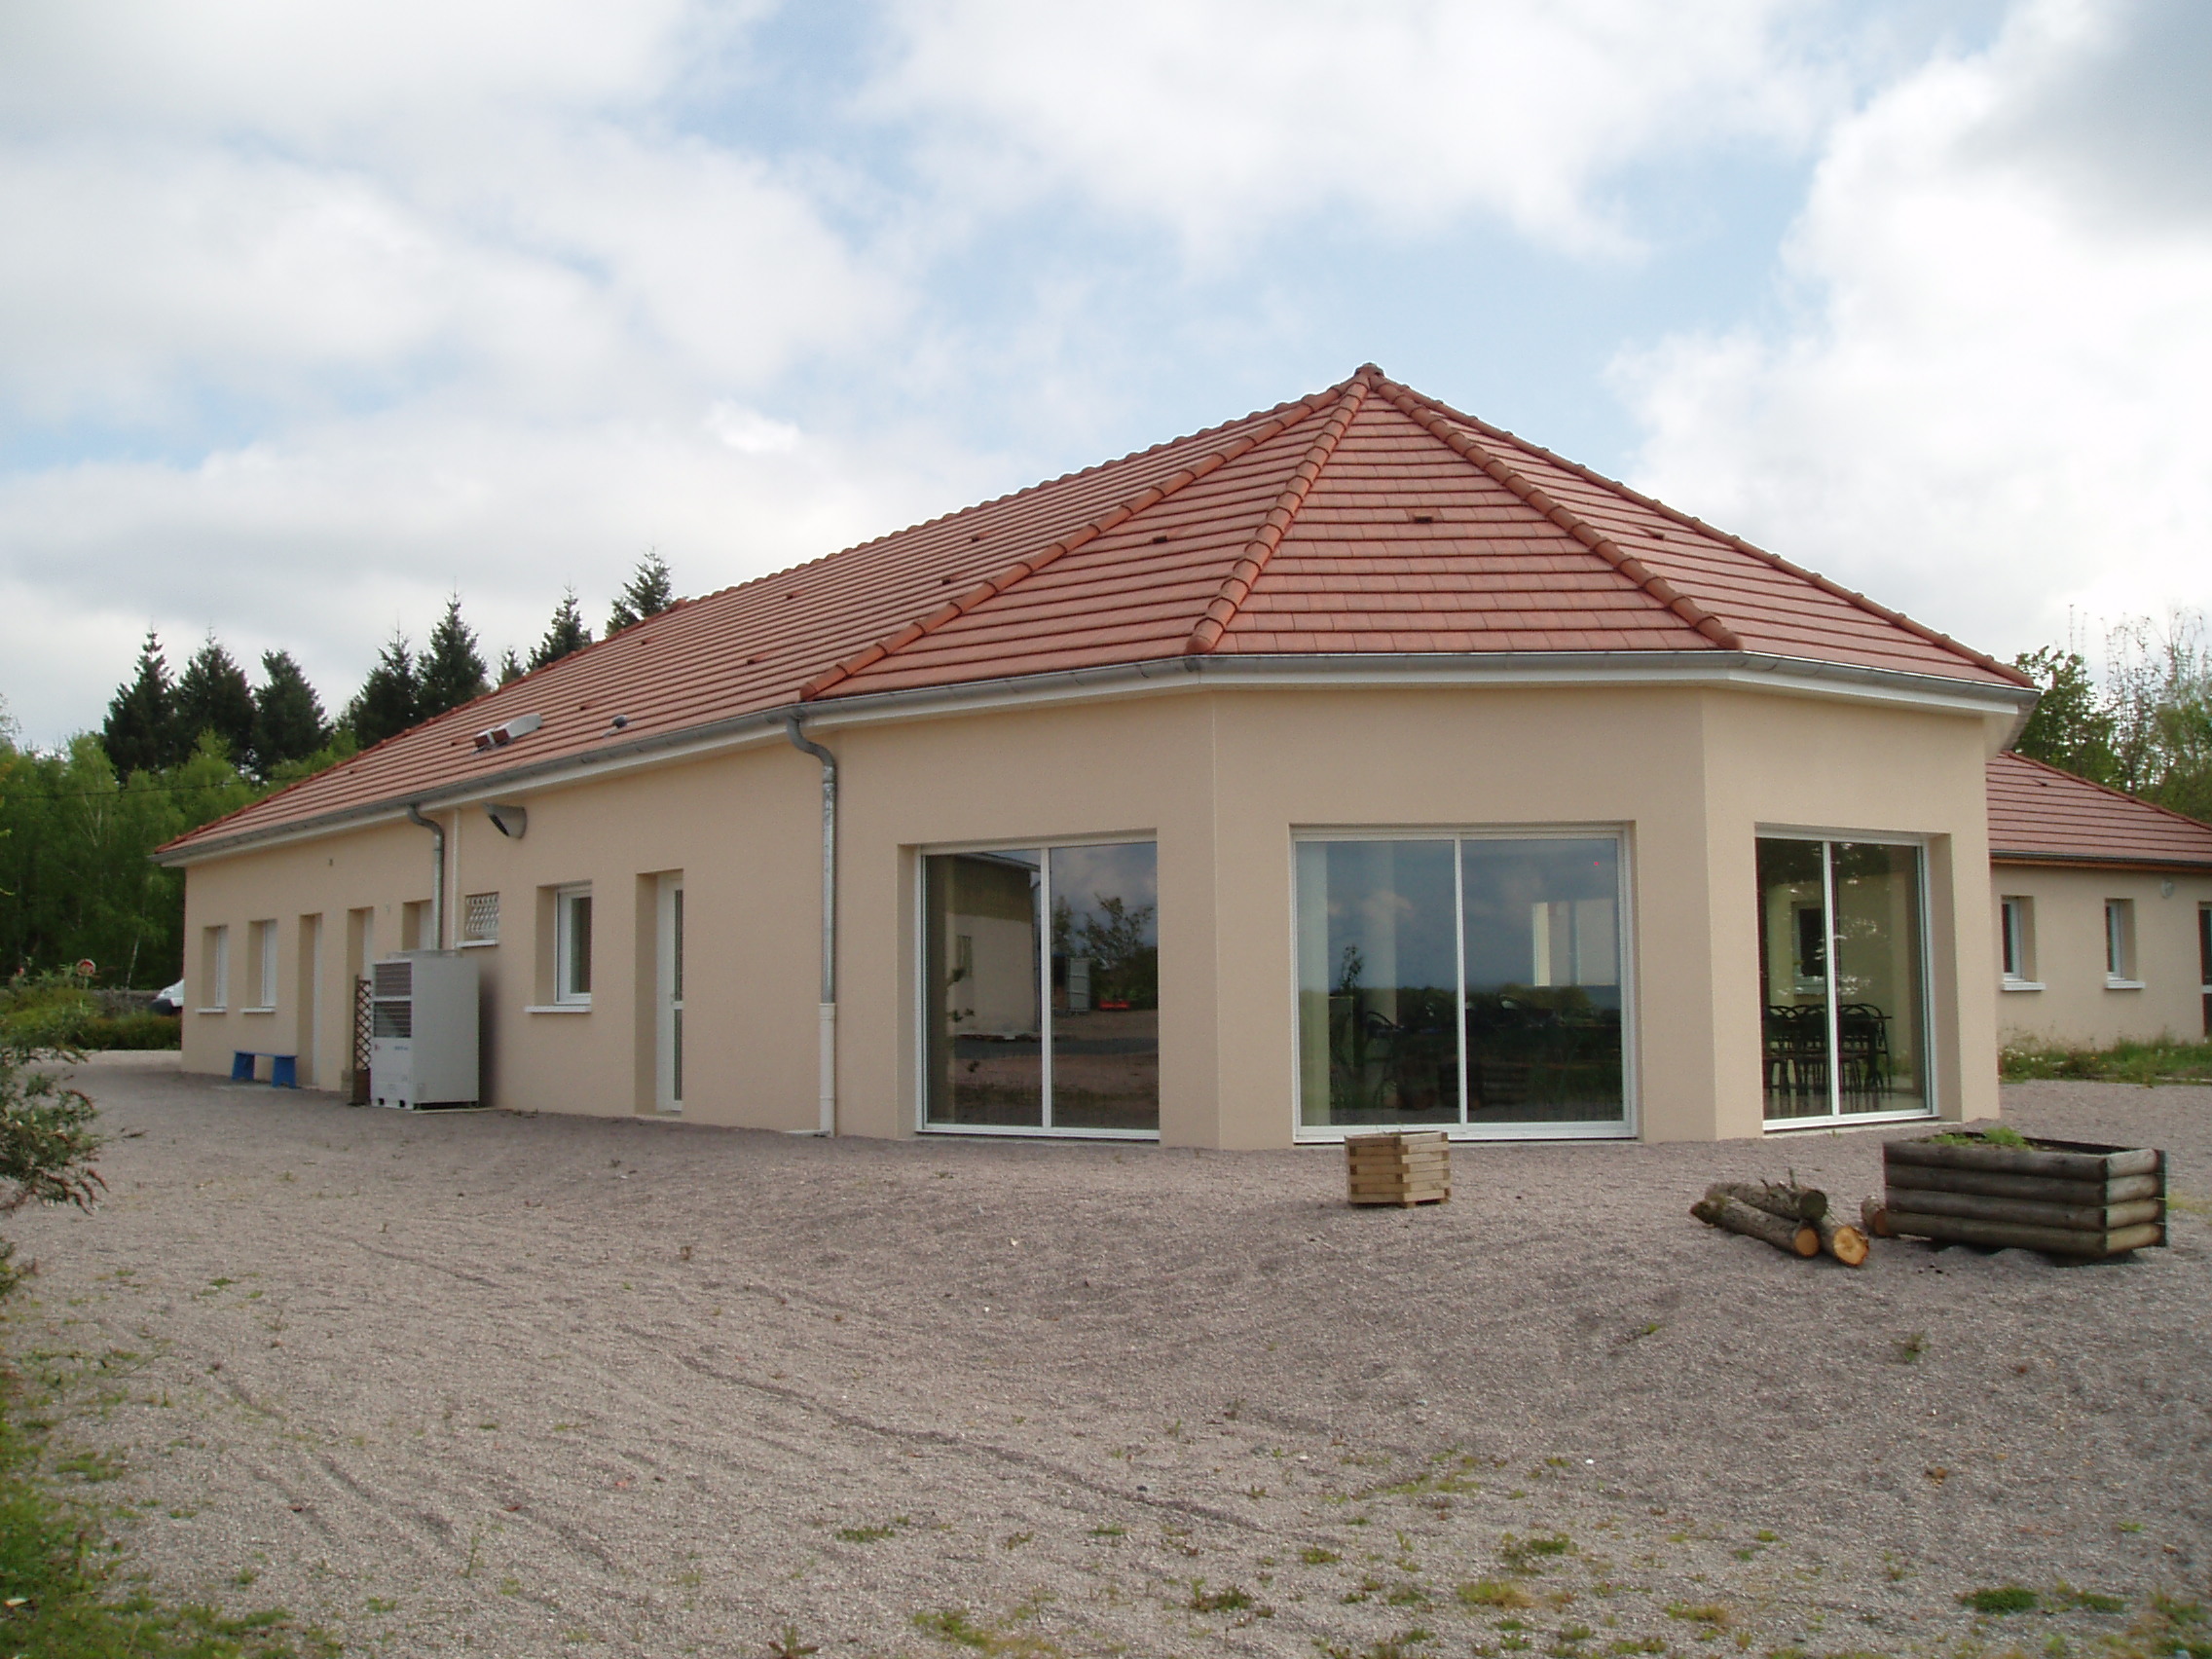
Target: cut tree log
(1845,1243)
(1789,1201)
(1716,1209)
(1876,1219)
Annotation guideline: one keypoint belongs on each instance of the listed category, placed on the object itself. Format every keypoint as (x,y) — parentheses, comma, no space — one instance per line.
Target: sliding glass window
(1842,977)
(1040,990)
(1467,982)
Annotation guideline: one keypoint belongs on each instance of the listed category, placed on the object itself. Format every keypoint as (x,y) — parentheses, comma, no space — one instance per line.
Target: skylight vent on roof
(505,733)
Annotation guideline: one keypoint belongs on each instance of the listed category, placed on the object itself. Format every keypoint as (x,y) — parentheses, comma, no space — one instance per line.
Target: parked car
(170,999)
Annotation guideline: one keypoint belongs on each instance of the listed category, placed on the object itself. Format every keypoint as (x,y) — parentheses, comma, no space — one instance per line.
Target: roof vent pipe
(826,1115)
(437,873)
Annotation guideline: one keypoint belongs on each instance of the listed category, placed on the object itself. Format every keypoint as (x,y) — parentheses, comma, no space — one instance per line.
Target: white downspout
(826,1107)
(437,873)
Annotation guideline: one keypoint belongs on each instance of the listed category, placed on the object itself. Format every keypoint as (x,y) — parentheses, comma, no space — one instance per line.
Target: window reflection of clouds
(1126,870)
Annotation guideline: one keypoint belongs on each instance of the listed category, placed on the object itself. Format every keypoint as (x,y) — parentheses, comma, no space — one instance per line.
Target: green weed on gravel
(2123,1062)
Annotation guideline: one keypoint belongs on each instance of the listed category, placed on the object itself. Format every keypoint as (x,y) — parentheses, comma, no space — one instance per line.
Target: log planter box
(2064,1198)
(1404,1168)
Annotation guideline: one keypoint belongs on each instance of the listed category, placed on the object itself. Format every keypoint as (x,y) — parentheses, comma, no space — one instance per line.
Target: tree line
(77,823)
(2143,726)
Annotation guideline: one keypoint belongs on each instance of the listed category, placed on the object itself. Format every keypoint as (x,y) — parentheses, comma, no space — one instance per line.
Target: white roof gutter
(1471,670)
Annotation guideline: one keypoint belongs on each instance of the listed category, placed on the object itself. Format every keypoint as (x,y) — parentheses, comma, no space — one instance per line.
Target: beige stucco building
(1351,764)
(2101,912)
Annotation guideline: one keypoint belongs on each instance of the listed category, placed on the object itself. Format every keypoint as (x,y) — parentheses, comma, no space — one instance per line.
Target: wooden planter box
(2066,1197)
(1404,1168)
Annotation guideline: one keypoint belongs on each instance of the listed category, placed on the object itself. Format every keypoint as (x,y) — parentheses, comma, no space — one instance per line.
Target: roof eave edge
(2090,860)
(1163,673)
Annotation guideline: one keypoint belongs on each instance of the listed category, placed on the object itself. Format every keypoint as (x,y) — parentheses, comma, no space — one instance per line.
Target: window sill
(271,1009)
(557,1008)
(477,944)
(219,1009)
(2115,984)
(2021,985)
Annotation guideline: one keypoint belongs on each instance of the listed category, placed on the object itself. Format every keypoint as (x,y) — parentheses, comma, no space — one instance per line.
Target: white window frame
(2016,930)
(565,994)
(216,969)
(668,999)
(2119,945)
(1932,1105)
(1043,847)
(261,941)
(1629,1125)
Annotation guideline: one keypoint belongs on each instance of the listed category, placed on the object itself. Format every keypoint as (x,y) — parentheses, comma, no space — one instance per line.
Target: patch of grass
(1313,1554)
(1228,1599)
(2123,1062)
(2090,1602)
(1997,1134)
(866,1534)
(1006,1635)
(59,1597)
(1109,1532)
(785,1644)
(1910,1351)
(1711,1615)
(2004,1598)
(1522,1555)
(1489,1593)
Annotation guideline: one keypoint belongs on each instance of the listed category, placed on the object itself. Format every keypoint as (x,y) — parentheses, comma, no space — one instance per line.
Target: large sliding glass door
(1842,979)
(1041,991)
(1473,983)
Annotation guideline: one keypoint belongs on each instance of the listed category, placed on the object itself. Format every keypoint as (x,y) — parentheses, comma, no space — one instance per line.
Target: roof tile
(1362,519)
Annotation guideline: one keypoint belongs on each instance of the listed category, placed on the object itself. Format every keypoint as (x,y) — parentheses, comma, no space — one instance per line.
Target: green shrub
(133,1031)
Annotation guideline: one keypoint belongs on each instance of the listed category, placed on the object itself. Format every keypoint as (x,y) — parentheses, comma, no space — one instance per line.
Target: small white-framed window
(479,919)
(2119,945)
(262,941)
(214,970)
(571,946)
(2017,934)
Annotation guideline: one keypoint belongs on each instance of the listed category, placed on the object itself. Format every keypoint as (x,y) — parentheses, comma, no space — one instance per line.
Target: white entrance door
(667,1035)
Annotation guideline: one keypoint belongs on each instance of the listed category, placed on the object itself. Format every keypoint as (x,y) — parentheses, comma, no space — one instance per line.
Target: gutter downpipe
(437,873)
(826,1123)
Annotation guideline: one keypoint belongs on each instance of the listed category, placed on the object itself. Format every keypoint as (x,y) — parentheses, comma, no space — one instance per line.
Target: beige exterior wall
(1224,779)
(2074,1006)
(743,829)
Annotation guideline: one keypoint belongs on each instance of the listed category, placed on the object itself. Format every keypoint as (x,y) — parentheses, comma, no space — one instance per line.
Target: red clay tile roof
(1362,519)
(2041,815)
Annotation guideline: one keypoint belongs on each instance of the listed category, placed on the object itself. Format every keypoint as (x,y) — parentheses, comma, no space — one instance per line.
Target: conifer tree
(212,694)
(140,735)
(387,702)
(288,722)
(564,634)
(649,591)
(451,670)
(510,667)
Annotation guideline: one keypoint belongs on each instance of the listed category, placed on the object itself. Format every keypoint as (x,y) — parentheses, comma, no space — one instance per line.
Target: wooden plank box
(2064,1198)
(1405,1167)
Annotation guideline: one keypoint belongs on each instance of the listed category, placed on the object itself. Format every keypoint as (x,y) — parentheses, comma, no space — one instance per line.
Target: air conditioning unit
(423,1030)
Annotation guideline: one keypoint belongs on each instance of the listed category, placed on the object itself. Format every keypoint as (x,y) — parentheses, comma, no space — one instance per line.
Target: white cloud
(1222,119)
(308,314)
(321,543)
(1993,404)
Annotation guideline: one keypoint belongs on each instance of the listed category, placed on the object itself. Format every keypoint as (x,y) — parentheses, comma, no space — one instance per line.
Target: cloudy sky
(312,314)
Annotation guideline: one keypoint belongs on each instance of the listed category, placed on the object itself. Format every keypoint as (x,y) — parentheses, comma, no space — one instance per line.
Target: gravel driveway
(541,1385)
